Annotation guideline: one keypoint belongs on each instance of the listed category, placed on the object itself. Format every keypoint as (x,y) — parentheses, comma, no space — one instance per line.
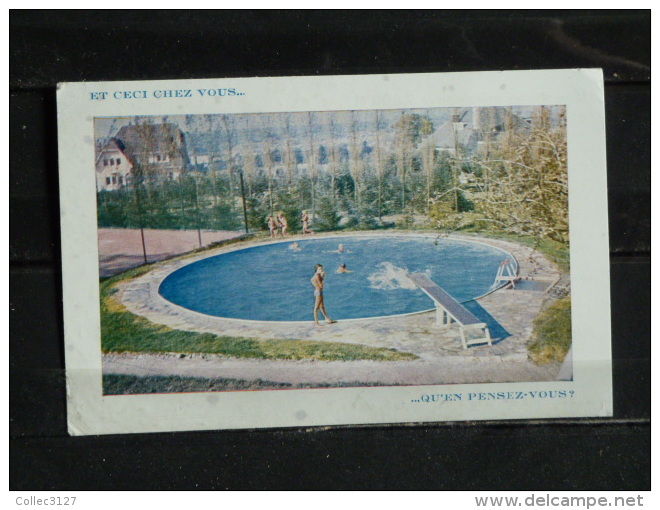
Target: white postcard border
(89,412)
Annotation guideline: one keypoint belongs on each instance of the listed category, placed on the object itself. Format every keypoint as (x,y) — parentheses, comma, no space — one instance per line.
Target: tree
(410,128)
(527,191)
(379,161)
(191,124)
(333,154)
(356,166)
(229,125)
(289,151)
(251,158)
(269,137)
(311,160)
(428,161)
(328,217)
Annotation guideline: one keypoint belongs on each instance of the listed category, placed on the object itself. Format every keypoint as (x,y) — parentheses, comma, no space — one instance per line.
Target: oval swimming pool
(271,282)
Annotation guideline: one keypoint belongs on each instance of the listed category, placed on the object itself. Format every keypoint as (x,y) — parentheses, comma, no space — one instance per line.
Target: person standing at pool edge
(319,303)
(283,223)
(305,222)
(272,226)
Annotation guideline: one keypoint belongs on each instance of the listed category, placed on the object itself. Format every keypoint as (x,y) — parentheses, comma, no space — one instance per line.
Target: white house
(113,168)
(158,149)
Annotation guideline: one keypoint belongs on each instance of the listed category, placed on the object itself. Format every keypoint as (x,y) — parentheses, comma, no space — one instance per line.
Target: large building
(158,150)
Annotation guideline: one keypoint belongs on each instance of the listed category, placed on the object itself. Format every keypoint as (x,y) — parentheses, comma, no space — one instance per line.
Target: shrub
(551,337)
(406,221)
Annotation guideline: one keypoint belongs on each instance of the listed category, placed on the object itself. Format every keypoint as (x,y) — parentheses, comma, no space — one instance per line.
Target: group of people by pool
(279,224)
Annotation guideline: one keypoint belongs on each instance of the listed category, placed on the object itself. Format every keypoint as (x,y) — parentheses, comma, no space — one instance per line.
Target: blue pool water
(272,282)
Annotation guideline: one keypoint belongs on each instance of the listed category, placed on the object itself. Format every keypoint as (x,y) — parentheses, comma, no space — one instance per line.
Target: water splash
(388,277)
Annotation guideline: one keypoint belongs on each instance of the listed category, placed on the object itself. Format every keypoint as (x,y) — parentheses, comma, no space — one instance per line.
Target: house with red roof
(156,152)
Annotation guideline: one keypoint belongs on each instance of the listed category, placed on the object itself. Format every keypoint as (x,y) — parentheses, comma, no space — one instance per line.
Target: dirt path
(450,370)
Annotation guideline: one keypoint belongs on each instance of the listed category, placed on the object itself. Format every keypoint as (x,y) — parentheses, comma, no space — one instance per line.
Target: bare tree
(311,160)
(528,181)
(229,125)
(191,126)
(356,167)
(250,155)
(333,153)
(455,120)
(289,149)
(379,162)
(269,137)
(404,146)
(428,164)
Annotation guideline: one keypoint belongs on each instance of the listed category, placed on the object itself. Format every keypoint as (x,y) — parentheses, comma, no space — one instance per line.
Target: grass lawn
(552,333)
(122,331)
(118,384)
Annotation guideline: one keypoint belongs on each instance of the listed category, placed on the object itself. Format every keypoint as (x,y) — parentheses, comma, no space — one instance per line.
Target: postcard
(338,250)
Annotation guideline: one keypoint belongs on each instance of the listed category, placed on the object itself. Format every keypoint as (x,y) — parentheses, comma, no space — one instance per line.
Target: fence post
(240,175)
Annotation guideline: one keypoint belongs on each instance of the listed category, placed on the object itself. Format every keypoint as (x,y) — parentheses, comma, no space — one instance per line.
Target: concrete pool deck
(441,356)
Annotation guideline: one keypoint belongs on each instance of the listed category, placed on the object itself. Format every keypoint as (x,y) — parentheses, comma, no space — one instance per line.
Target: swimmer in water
(319,304)
(341,249)
(343,269)
(295,246)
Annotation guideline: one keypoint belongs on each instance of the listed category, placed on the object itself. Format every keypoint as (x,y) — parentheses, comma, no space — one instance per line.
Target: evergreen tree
(327,214)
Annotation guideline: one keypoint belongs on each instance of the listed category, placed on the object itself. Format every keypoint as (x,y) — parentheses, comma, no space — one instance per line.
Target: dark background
(47,47)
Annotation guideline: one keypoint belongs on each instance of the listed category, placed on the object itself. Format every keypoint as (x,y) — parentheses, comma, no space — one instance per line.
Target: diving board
(448,310)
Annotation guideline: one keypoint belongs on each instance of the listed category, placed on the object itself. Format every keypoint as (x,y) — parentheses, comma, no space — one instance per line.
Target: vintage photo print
(377,249)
